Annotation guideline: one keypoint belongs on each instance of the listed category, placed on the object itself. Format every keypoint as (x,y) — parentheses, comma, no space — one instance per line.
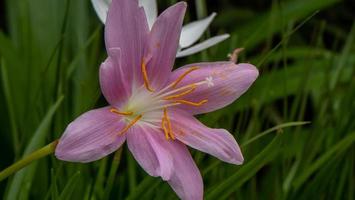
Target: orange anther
(145,77)
(182,93)
(170,130)
(166,132)
(125,129)
(191,103)
(114,110)
(182,76)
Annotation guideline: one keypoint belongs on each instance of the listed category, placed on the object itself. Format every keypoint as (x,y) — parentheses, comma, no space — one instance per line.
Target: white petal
(101,8)
(191,32)
(151,10)
(201,46)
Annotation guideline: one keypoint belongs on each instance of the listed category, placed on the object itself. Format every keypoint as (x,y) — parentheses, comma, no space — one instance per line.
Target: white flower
(190,33)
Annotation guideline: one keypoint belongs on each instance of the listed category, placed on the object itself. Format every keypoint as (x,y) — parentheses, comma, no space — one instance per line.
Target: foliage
(304,49)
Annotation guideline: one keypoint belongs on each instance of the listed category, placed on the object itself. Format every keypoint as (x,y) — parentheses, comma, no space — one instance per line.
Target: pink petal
(227,82)
(217,142)
(114,87)
(163,44)
(186,179)
(127,28)
(91,136)
(149,148)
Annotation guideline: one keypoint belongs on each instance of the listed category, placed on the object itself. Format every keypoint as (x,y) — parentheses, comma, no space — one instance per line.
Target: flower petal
(163,44)
(186,179)
(191,32)
(127,28)
(202,46)
(91,136)
(217,142)
(113,85)
(151,10)
(224,83)
(149,148)
(101,8)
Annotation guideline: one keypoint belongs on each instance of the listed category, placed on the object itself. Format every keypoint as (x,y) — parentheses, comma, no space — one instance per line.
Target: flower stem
(40,153)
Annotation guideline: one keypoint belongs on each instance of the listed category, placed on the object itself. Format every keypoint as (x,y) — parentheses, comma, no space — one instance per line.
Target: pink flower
(152,107)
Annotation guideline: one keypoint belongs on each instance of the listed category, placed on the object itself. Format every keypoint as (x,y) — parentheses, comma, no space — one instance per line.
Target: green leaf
(70,187)
(23,179)
(338,148)
(245,172)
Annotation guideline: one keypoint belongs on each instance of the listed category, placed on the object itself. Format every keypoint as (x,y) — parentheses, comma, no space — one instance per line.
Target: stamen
(181,94)
(130,125)
(166,132)
(114,110)
(192,103)
(170,130)
(145,77)
(179,79)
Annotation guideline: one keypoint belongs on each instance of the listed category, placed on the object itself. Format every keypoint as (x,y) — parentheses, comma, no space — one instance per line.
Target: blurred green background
(50,51)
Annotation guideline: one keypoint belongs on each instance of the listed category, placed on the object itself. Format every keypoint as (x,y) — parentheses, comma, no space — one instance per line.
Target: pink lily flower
(152,107)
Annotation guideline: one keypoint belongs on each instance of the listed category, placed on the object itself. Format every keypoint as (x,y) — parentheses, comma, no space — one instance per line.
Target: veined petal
(151,10)
(127,29)
(101,8)
(186,179)
(91,136)
(217,142)
(202,46)
(163,44)
(224,83)
(114,87)
(191,32)
(149,148)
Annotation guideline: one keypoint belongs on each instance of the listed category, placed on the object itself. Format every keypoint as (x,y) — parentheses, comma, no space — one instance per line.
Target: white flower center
(151,107)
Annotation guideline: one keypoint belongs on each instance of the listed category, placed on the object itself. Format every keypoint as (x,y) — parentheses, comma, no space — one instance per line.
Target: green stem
(40,153)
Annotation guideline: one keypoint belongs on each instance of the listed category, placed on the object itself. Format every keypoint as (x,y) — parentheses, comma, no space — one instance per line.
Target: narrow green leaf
(70,186)
(23,179)
(246,171)
(340,147)
(10,107)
